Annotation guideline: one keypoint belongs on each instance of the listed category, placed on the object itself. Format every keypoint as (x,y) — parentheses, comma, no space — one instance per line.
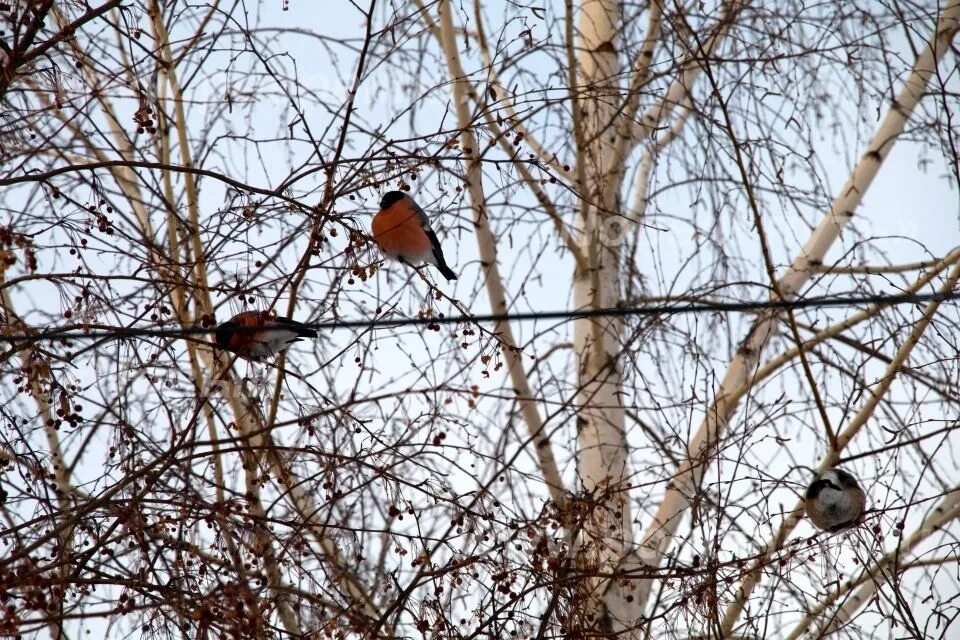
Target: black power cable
(77,332)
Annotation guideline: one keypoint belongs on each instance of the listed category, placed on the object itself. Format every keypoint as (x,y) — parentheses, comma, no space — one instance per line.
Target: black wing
(298,327)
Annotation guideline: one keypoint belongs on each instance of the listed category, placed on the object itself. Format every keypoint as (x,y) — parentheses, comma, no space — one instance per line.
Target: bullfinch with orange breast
(259,334)
(402,231)
(834,500)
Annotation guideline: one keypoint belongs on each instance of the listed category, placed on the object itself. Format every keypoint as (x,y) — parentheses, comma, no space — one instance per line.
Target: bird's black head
(390,198)
(815,488)
(847,480)
(835,478)
(224,333)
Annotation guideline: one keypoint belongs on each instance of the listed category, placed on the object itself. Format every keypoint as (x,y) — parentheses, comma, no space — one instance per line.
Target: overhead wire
(81,332)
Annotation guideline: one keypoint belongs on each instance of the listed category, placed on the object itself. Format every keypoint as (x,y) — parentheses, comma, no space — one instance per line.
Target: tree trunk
(602,455)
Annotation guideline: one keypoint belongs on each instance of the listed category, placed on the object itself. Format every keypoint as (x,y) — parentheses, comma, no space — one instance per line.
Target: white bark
(691,69)
(659,536)
(605,136)
(602,456)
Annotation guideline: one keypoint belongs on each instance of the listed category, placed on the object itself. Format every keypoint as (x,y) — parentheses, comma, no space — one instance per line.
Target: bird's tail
(302,330)
(446,271)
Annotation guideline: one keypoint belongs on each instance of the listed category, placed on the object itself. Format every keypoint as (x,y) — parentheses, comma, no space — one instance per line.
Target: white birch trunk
(602,455)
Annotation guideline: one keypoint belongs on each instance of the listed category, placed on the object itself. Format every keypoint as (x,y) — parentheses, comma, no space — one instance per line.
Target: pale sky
(915,212)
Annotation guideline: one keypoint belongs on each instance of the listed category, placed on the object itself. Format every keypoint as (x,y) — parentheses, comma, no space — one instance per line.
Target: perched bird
(259,334)
(834,500)
(402,230)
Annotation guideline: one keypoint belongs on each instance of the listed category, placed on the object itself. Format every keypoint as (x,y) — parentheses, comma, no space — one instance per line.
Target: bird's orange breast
(398,231)
(242,341)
